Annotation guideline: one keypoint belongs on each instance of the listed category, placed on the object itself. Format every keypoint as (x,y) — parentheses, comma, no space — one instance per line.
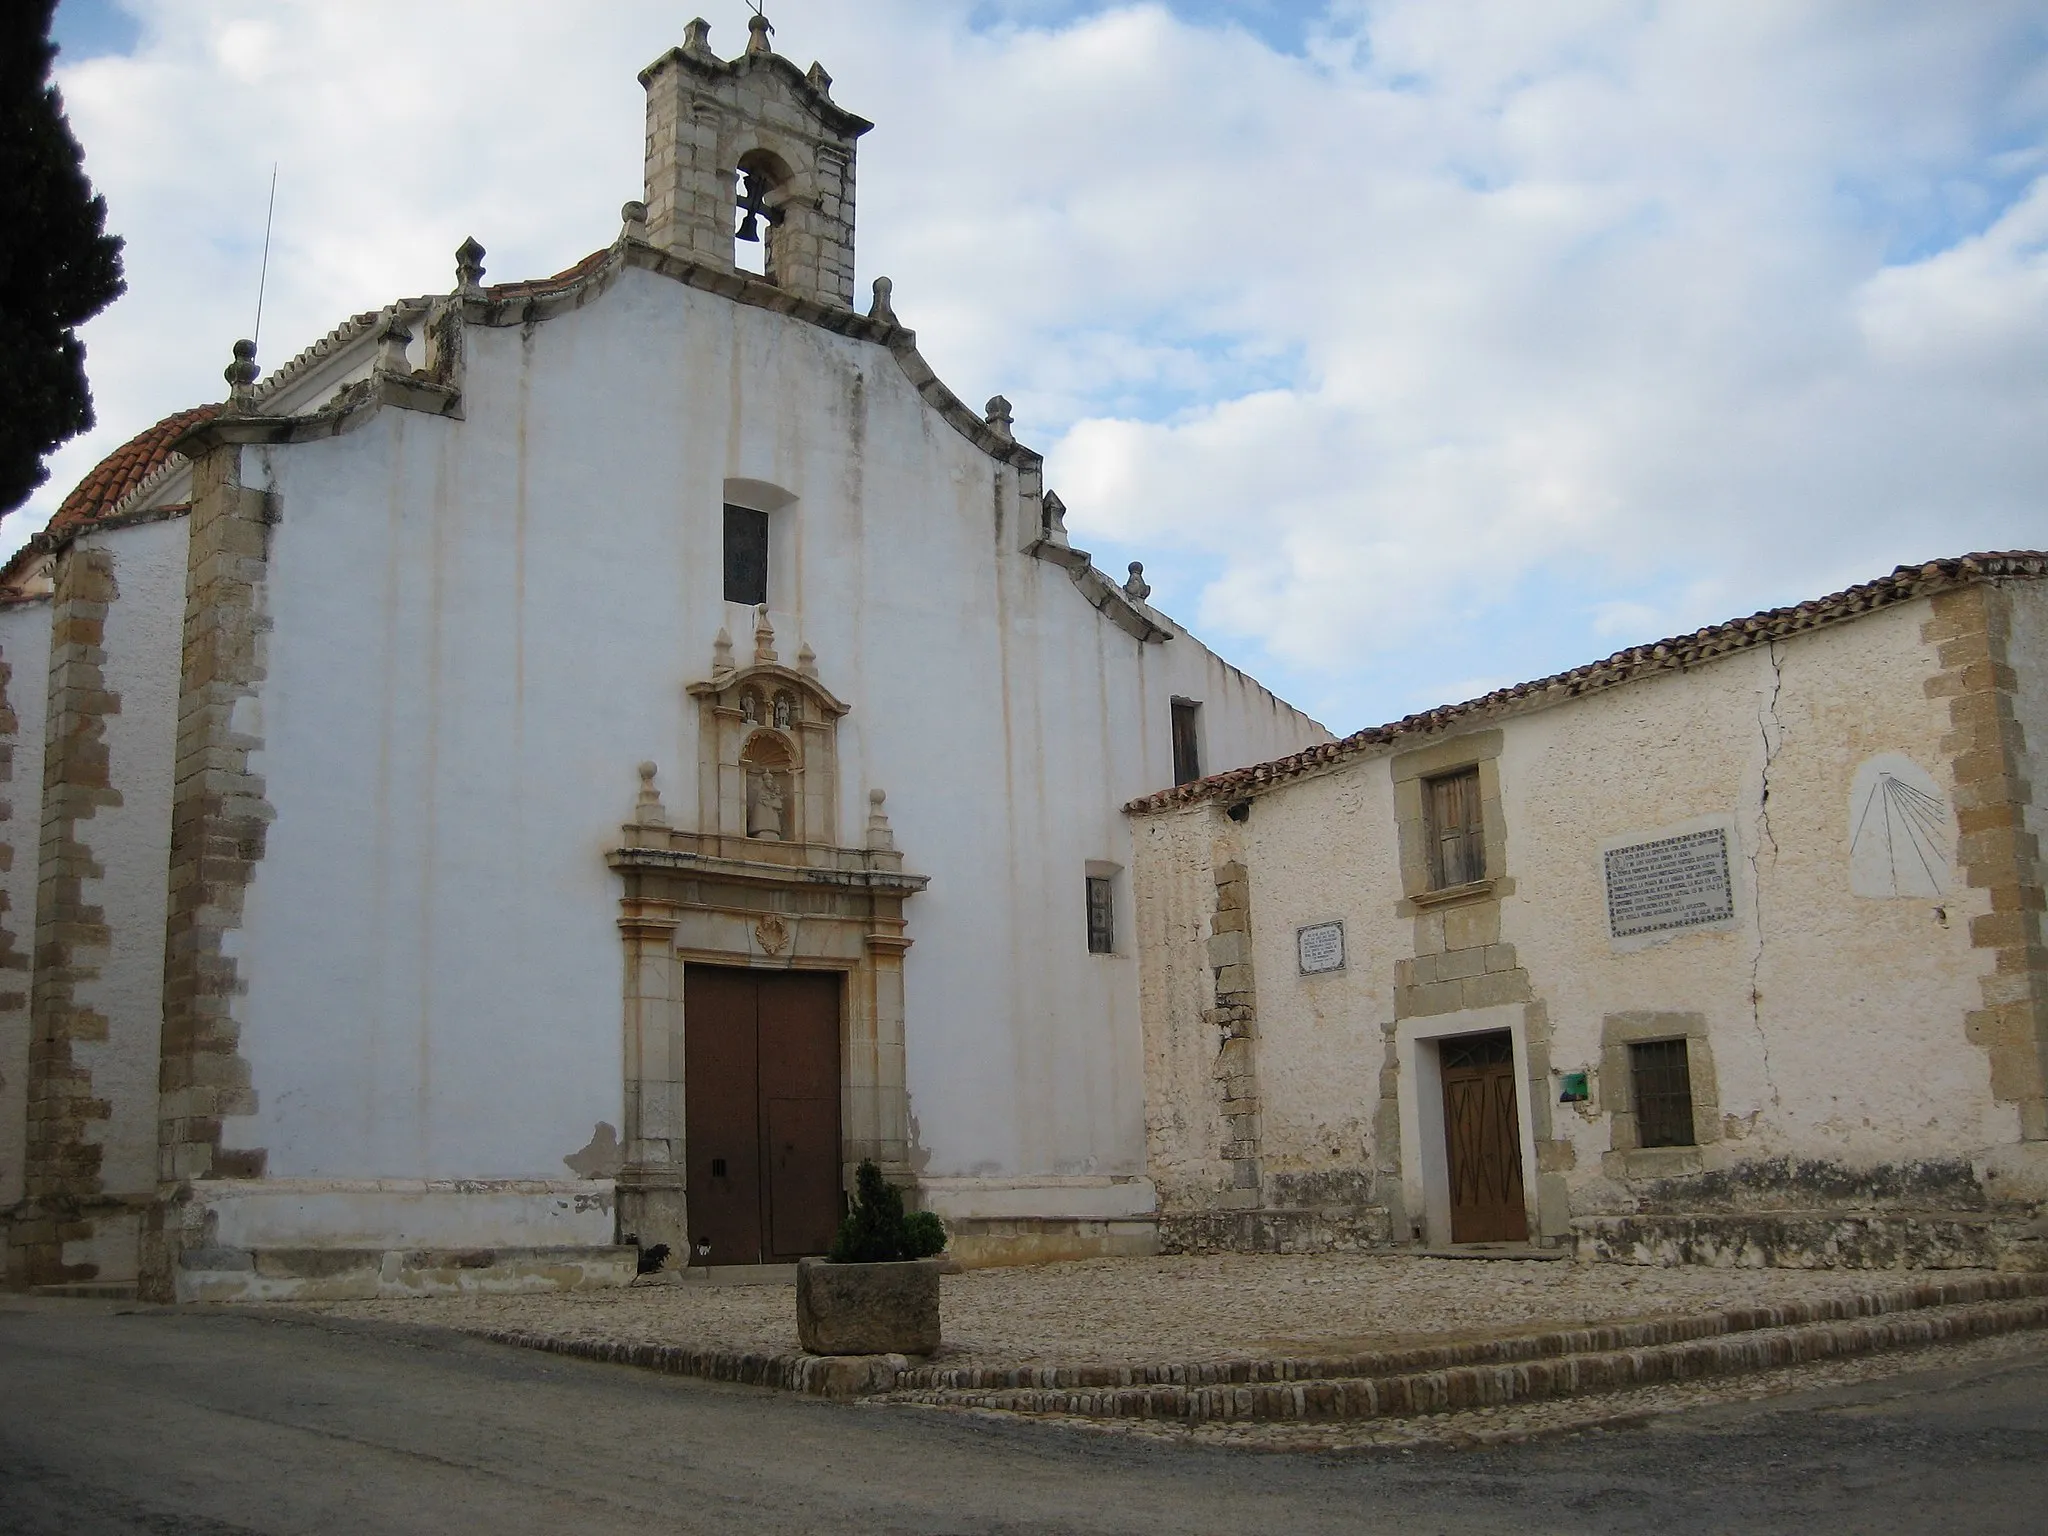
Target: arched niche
(768,760)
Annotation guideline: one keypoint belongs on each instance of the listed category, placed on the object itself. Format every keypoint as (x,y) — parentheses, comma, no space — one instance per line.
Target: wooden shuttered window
(1101,915)
(746,556)
(1457,836)
(1187,741)
(1661,1076)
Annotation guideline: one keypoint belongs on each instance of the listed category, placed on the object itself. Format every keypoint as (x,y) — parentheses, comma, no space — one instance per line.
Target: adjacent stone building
(1725,949)
(331,968)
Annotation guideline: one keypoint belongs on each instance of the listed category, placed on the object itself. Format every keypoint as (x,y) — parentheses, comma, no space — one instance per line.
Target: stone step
(107,1290)
(1530,1367)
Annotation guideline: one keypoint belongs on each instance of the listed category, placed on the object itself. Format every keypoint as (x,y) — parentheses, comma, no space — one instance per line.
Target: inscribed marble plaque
(1321,948)
(1671,882)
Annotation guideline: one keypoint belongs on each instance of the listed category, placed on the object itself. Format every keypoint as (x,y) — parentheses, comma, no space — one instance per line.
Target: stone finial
(392,342)
(647,808)
(697,39)
(764,638)
(807,660)
(1053,514)
(999,418)
(758,29)
(241,375)
(721,653)
(881,309)
(1135,586)
(881,838)
(633,219)
(469,268)
(820,81)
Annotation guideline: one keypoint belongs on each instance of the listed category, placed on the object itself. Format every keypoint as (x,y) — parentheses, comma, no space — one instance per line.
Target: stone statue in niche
(785,711)
(766,798)
(750,707)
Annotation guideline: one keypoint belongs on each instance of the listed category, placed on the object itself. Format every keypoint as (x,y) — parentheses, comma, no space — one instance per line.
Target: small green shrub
(876,1231)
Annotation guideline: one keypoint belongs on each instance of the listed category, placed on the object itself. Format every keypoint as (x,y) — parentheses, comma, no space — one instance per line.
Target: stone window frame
(1411,772)
(1628,1159)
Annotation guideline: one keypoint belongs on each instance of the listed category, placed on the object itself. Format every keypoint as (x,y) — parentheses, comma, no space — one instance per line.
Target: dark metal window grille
(1663,1085)
(1187,745)
(1489,1050)
(1457,837)
(1101,916)
(746,556)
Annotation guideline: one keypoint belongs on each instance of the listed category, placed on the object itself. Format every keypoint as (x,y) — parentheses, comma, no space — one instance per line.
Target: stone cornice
(710,67)
(850,869)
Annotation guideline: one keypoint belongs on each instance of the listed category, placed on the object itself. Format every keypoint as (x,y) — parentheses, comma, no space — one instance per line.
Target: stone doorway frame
(718,899)
(1425,1154)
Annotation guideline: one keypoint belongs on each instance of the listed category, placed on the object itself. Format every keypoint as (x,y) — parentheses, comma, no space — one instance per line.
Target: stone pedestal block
(868,1309)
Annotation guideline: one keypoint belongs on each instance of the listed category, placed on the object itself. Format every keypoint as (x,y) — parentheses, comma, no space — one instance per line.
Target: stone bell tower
(758,144)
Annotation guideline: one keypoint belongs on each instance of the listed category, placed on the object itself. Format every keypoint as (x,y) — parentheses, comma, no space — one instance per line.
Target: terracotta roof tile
(124,469)
(1904,584)
(562,279)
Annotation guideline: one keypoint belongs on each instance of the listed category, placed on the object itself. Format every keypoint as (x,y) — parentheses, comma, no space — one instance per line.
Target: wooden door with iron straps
(761,1099)
(1483,1139)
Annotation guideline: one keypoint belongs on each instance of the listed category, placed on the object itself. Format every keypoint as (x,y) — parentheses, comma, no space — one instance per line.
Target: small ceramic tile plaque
(1320,947)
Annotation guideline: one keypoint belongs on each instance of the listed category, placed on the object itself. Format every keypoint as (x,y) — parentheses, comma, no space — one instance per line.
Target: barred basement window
(1457,836)
(1101,915)
(1662,1078)
(746,556)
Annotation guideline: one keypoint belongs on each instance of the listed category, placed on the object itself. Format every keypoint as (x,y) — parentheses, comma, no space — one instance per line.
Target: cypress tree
(58,265)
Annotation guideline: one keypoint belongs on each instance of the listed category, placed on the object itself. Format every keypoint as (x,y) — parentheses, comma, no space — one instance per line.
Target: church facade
(581,761)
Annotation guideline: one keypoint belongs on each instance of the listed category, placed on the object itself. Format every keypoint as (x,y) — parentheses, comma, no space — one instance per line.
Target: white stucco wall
(482,626)
(1852,1049)
(25,647)
(131,841)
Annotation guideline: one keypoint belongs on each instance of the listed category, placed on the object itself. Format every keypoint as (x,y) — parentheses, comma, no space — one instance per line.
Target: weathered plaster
(24,698)
(1829,1027)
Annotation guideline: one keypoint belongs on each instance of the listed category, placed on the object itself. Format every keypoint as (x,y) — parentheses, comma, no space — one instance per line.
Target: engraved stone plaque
(1320,947)
(1671,882)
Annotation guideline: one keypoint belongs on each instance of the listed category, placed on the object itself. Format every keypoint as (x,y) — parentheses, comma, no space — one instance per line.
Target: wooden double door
(761,1093)
(1483,1139)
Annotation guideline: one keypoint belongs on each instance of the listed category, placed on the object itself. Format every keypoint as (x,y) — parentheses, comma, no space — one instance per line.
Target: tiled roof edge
(1676,654)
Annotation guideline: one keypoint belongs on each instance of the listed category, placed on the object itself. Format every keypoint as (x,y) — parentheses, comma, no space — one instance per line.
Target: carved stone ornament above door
(767,747)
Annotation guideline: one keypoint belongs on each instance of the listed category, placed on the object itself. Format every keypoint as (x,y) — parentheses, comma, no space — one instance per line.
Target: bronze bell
(750,227)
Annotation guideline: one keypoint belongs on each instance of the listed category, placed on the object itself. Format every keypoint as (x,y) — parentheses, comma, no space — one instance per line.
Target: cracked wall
(1829,1027)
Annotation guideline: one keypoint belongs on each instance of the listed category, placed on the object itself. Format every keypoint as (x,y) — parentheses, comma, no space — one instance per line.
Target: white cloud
(1478,338)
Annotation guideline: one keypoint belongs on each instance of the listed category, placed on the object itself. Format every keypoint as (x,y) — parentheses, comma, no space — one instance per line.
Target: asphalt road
(208,1423)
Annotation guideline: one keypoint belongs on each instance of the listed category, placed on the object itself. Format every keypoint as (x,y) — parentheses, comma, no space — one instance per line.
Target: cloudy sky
(1416,347)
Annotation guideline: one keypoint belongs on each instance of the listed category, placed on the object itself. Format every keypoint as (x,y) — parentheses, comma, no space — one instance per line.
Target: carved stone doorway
(762,1084)
(766,894)
(1483,1139)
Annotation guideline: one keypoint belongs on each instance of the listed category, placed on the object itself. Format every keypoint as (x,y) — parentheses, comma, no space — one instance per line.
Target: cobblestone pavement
(1133,1311)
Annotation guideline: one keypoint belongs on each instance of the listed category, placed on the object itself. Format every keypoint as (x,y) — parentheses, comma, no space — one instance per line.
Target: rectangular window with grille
(1457,836)
(1187,741)
(1662,1079)
(1101,915)
(746,556)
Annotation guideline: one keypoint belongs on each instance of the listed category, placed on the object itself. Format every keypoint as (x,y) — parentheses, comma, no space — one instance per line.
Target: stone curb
(1490,1386)
(1048,1389)
(1501,1348)
(819,1375)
